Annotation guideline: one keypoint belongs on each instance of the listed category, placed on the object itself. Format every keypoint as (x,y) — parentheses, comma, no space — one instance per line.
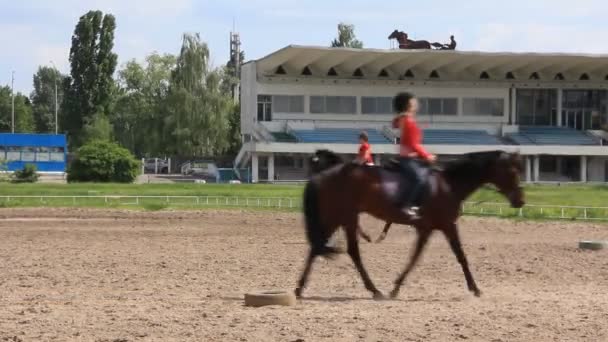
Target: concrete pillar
(513,111)
(528,170)
(560,94)
(255,170)
(584,169)
(536,168)
(271,167)
(305,161)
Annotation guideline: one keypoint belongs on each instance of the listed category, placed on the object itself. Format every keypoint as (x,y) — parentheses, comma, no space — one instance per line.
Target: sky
(36,32)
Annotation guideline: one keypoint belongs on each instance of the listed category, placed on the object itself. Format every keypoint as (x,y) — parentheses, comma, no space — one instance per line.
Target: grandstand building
(552,108)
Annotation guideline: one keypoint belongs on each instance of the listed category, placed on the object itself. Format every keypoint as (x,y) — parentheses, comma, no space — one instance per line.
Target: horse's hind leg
(353,251)
(423,238)
(384,232)
(363,234)
(453,237)
(304,277)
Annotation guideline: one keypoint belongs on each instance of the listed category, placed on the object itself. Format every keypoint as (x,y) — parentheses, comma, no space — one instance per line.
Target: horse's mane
(471,165)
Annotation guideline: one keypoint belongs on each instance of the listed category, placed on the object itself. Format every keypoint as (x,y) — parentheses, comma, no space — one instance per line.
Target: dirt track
(87,275)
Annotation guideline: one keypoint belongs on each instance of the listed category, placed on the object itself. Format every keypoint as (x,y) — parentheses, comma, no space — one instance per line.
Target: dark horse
(406,43)
(335,196)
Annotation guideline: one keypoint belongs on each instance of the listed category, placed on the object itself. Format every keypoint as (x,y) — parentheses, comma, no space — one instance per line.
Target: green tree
(43,98)
(346,37)
(103,161)
(140,113)
(89,90)
(24,121)
(230,80)
(197,124)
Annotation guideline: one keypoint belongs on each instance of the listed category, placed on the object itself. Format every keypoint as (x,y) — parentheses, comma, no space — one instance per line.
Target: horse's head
(504,174)
(394,35)
(323,160)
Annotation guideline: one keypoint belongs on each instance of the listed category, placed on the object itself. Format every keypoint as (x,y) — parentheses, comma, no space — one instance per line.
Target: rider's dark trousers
(413,170)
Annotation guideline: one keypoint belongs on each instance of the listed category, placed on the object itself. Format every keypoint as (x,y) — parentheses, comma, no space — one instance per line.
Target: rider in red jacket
(410,149)
(364,156)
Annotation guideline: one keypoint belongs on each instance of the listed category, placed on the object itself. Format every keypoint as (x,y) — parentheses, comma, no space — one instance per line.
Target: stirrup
(412,212)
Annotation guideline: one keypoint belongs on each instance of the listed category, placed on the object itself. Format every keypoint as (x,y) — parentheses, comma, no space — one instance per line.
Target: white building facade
(552,108)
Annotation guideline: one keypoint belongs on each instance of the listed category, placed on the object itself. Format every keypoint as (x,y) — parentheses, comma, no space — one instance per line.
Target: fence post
(521,212)
(562,212)
(585,213)
(74,200)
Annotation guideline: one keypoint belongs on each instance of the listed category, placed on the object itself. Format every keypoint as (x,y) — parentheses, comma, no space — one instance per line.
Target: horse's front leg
(451,234)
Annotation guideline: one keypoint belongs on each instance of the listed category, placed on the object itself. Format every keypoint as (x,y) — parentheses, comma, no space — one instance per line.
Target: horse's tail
(316,232)
(437,45)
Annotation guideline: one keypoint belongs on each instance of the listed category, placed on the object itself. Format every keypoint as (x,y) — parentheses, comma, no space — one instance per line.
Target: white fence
(473,208)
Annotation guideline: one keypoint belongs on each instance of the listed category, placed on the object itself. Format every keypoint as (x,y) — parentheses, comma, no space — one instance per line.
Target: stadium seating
(339,135)
(549,135)
(283,137)
(459,137)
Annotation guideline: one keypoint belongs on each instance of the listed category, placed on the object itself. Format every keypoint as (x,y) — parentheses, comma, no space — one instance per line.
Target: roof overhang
(448,64)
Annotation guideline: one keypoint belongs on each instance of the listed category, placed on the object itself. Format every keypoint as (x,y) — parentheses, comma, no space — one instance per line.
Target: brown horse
(334,197)
(406,43)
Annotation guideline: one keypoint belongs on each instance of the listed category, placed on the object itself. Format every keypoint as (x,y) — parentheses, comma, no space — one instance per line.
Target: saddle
(395,183)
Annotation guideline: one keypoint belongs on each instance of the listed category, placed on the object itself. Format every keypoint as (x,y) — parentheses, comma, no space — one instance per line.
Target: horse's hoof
(380,238)
(477,293)
(298,292)
(379,296)
(394,293)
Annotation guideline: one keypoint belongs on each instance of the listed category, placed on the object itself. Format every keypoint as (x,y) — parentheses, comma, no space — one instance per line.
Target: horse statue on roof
(408,44)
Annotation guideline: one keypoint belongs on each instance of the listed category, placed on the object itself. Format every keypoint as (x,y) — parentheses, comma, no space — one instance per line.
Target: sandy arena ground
(91,275)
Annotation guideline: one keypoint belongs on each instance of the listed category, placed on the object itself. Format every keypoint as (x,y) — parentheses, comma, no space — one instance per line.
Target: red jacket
(411,138)
(365,153)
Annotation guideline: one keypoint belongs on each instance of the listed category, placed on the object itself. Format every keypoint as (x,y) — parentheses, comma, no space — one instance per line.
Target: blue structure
(47,151)
(547,135)
(338,135)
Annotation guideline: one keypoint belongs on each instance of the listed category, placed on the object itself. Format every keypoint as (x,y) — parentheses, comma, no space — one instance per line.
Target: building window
(438,106)
(536,106)
(483,107)
(376,105)
(287,104)
(264,108)
(333,104)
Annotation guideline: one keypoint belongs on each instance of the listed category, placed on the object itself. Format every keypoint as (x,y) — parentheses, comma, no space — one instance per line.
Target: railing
(264,132)
(531,211)
(126,200)
(389,134)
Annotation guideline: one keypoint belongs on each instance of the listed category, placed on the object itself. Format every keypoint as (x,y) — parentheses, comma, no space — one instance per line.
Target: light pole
(13,102)
(56,122)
